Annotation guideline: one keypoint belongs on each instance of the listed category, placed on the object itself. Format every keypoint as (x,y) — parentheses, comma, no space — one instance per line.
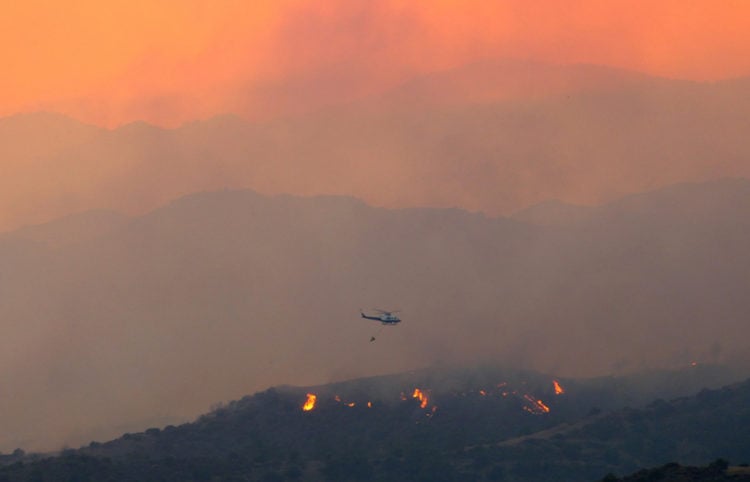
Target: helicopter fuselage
(386,319)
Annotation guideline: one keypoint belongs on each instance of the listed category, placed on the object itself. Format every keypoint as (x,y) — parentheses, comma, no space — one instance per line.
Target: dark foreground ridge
(475,424)
(717,471)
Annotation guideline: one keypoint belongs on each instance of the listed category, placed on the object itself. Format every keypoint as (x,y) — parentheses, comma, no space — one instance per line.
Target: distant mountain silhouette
(494,136)
(554,213)
(72,229)
(221,293)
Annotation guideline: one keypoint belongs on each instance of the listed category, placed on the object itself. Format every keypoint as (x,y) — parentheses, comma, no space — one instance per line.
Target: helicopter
(385,317)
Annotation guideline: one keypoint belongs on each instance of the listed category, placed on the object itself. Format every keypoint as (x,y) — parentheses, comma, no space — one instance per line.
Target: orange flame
(350,404)
(482,393)
(537,406)
(559,390)
(421,396)
(369,404)
(310,403)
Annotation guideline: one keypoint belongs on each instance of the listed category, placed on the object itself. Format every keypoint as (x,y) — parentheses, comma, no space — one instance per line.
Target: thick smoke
(147,320)
(443,141)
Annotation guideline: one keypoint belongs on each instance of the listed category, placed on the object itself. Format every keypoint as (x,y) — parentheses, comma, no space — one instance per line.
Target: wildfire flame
(421,396)
(559,390)
(544,408)
(537,406)
(531,404)
(310,402)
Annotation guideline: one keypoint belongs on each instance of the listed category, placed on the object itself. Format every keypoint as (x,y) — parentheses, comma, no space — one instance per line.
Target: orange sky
(167,62)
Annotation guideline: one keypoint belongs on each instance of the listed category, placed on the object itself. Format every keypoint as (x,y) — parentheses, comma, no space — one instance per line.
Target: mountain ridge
(462,415)
(485,155)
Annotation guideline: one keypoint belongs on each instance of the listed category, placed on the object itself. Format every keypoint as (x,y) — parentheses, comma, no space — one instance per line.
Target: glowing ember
(310,403)
(559,390)
(537,406)
(544,408)
(369,404)
(421,396)
(482,393)
(350,404)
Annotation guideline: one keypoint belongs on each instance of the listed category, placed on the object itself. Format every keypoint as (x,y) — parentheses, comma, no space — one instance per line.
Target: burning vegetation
(535,406)
(559,390)
(421,396)
(310,402)
(528,402)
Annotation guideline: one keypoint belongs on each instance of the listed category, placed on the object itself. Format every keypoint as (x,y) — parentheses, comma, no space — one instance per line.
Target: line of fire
(531,404)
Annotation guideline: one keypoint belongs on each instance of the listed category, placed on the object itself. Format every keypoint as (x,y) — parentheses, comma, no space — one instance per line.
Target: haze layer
(113,324)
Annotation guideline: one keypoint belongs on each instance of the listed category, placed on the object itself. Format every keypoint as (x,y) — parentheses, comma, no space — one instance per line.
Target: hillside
(459,406)
(690,430)
(439,424)
(717,471)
